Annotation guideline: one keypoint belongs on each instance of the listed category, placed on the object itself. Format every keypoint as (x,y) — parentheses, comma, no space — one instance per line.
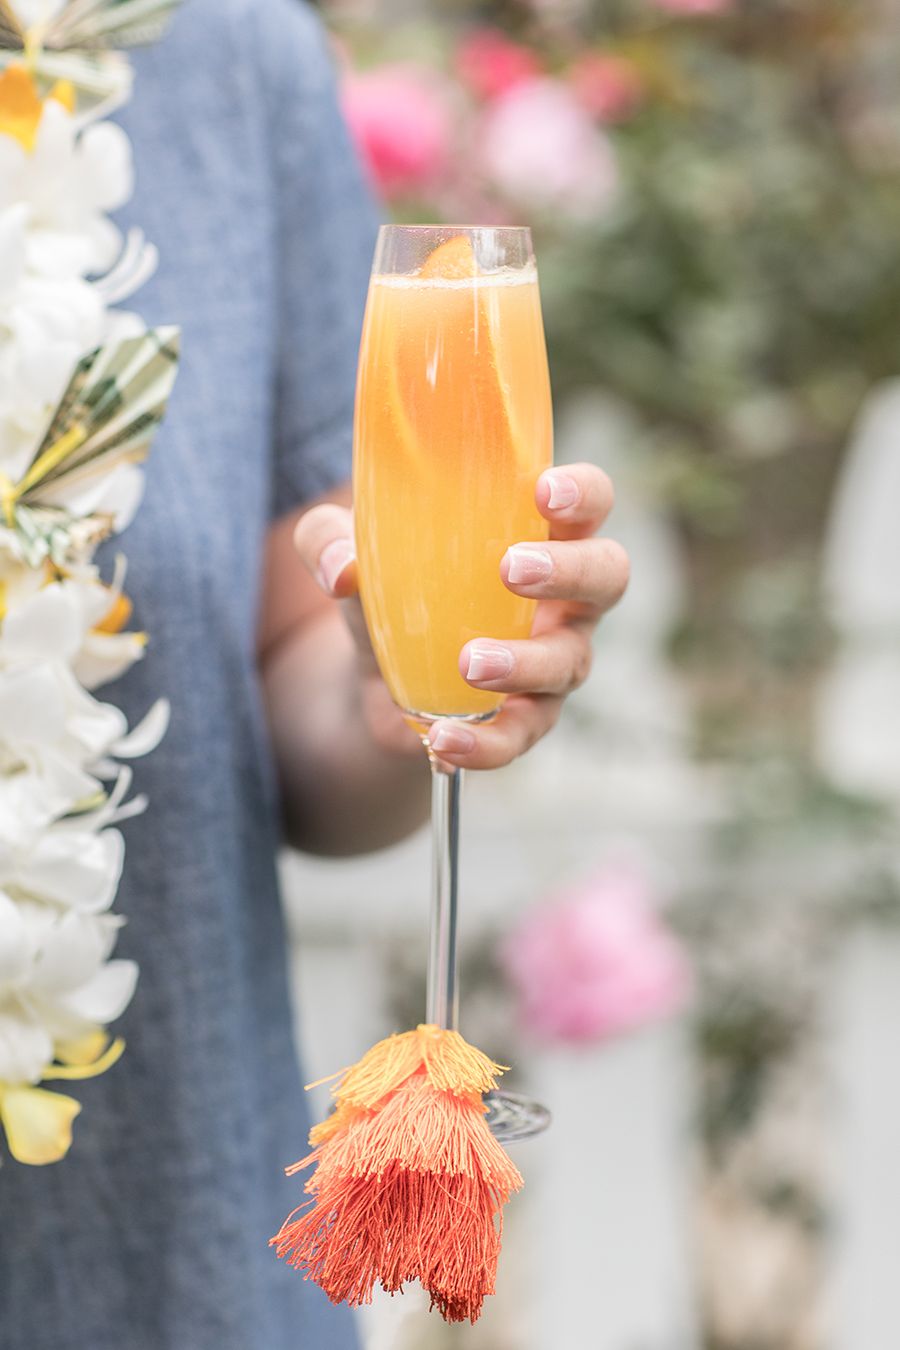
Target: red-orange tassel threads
(410,1183)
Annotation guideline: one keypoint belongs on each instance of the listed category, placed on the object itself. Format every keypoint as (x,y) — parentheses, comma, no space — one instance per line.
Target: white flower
(47,626)
(70,1013)
(18,581)
(59,622)
(26,1047)
(106,656)
(52,733)
(74,991)
(35,793)
(12,249)
(56,744)
(68,182)
(66,865)
(45,327)
(17,948)
(48,951)
(45,707)
(57,982)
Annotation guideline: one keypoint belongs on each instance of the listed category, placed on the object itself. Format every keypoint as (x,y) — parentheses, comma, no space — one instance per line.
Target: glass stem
(443,989)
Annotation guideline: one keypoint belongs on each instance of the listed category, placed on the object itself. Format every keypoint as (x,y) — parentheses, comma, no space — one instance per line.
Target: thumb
(324,540)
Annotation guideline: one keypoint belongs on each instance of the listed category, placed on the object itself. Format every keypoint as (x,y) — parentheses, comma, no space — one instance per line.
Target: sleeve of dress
(326,223)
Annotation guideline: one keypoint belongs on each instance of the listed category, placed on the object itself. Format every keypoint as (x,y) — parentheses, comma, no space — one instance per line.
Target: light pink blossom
(401,120)
(541,149)
(491,64)
(694,6)
(608,86)
(596,961)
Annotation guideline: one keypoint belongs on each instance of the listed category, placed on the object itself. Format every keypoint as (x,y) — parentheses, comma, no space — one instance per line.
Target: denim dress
(152,1234)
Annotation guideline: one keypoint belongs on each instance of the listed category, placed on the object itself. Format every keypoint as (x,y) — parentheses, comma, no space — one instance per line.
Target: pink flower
(490,64)
(695,6)
(540,148)
(596,962)
(609,87)
(401,120)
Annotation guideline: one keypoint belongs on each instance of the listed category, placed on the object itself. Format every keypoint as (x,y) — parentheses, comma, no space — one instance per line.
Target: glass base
(511,1117)
(422,722)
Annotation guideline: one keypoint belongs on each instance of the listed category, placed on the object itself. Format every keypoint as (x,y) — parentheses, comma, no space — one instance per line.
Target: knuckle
(609,489)
(605,489)
(551,713)
(597,486)
(303,531)
(584,568)
(533,733)
(320,521)
(582,663)
(618,568)
(544,719)
(525,734)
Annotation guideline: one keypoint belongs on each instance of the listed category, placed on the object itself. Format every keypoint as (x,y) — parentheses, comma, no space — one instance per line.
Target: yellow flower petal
(93,1070)
(38,1124)
(86,1050)
(20,106)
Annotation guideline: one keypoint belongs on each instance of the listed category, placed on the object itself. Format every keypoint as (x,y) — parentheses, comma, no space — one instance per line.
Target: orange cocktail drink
(453,427)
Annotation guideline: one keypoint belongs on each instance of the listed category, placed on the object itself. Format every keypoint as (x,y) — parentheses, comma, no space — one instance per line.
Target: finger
(554,663)
(575,498)
(324,540)
(594,572)
(523,721)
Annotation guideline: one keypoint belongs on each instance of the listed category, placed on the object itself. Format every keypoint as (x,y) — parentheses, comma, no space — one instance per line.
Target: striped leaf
(109,412)
(85,25)
(11,36)
(107,417)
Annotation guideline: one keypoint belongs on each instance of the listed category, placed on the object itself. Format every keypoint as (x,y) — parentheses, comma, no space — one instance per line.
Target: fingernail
(489,661)
(528,566)
(332,560)
(449,739)
(564,491)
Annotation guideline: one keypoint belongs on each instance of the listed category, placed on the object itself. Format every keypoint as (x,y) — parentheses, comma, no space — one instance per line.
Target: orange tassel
(410,1183)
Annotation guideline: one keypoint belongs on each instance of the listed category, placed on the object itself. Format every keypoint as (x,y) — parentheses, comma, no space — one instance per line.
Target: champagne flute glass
(453,427)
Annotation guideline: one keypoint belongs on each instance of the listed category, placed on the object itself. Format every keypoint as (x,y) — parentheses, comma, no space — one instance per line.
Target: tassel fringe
(409,1182)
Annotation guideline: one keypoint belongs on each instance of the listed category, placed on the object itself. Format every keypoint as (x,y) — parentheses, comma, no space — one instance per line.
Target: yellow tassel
(450,1062)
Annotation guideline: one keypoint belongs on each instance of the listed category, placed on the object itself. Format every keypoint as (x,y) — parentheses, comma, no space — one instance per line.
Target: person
(152,1234)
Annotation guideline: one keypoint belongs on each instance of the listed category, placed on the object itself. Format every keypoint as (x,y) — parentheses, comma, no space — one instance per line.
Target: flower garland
(82,389)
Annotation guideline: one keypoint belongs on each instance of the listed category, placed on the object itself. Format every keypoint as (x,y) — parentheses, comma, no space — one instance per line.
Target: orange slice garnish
(454,260)
(457,334)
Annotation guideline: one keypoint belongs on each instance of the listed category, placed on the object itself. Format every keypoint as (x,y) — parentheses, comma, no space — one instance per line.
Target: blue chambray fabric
(152,1235)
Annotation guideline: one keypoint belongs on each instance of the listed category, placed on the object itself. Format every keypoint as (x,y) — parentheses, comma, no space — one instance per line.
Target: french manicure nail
(529,566)
(332,560)
(489,661)
(449,739)
(564,491)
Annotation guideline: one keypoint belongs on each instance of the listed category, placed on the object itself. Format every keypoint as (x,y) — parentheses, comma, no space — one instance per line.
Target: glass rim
(451,225)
